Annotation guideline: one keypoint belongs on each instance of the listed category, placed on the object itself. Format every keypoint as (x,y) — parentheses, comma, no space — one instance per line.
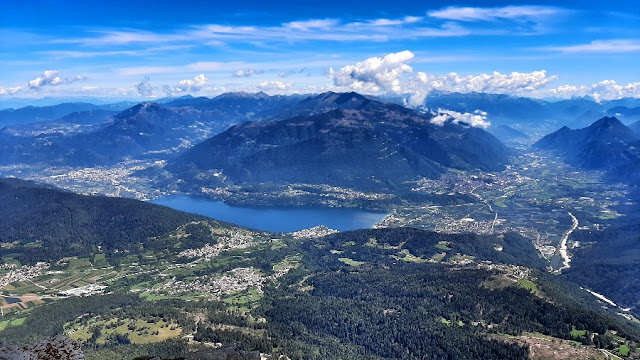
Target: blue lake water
(277,219)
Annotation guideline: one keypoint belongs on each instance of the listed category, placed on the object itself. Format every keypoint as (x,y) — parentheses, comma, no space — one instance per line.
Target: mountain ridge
(606,145)
(380,145)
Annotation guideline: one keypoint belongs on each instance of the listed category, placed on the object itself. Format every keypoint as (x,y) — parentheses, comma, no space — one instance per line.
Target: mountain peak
(612,128)
(243,95)
(607,144)
(340,99)
(140,108)
(607,122)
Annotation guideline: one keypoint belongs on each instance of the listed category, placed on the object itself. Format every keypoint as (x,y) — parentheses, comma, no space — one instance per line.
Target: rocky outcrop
(53,348)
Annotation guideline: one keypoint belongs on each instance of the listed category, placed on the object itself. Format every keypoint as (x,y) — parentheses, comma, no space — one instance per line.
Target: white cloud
(316,24)
(144,87)
(246,73)
(392,22)
(374,74)
(604,90)
(476,119)
(201,66)
(392,74)
(516,83)
(194,85)
(600,46)
(383,29)
(493,13)
(274,85)
(11,90)
(136,52)
(51,78)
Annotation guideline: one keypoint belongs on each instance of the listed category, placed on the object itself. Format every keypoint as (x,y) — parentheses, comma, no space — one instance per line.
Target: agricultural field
(533,197)
(135,330)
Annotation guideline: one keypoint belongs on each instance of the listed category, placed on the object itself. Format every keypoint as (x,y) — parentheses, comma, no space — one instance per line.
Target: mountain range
(151,130)
(145,130)
(606,145)
(32,114)
(363,144)
(521,113)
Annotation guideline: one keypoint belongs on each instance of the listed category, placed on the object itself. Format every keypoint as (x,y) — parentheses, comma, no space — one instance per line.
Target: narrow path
(562,248)
(495,218)
(38,285)
(610,355)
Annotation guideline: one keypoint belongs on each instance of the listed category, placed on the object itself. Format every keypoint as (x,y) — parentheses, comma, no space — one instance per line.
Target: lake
(276,219)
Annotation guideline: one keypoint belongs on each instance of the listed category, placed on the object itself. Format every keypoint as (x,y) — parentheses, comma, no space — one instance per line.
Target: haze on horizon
(146,50)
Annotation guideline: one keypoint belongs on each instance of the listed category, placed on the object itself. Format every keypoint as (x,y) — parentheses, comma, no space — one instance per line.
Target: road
(495,218)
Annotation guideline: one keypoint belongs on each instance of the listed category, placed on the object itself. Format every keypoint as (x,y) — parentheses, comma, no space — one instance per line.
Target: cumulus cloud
(144,87)
(375,74)
(10,90)
(393,74)
(604,90)
(51,78)
(274,85)
(246,73)
(493,13)
(195,85)
(497,83)
(477,118)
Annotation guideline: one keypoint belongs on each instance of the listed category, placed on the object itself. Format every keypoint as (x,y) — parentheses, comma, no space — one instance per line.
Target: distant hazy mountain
(73,123)
(239,106)
(506,133)
(321,103)
(625,114)
(145,130)
(375,147)
(607,145)
(501,109)
(533,115)
(99,136)
(635,127)
(32,114)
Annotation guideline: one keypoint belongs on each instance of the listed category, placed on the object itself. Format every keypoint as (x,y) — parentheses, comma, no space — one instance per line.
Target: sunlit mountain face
(319,180)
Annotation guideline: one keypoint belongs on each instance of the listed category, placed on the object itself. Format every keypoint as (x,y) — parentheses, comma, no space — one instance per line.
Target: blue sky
(146,49)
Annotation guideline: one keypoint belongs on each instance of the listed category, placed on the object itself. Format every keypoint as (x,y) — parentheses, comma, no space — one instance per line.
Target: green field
(624,350)
(528,285)
(138,331)
(351,262)
(79,263)
(18,322)
(289,262)
(15,322)
(500,204)
(409,257)
(100,260)
(578,333)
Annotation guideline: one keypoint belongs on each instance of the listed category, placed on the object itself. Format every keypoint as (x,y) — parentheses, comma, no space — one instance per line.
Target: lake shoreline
(275,218)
